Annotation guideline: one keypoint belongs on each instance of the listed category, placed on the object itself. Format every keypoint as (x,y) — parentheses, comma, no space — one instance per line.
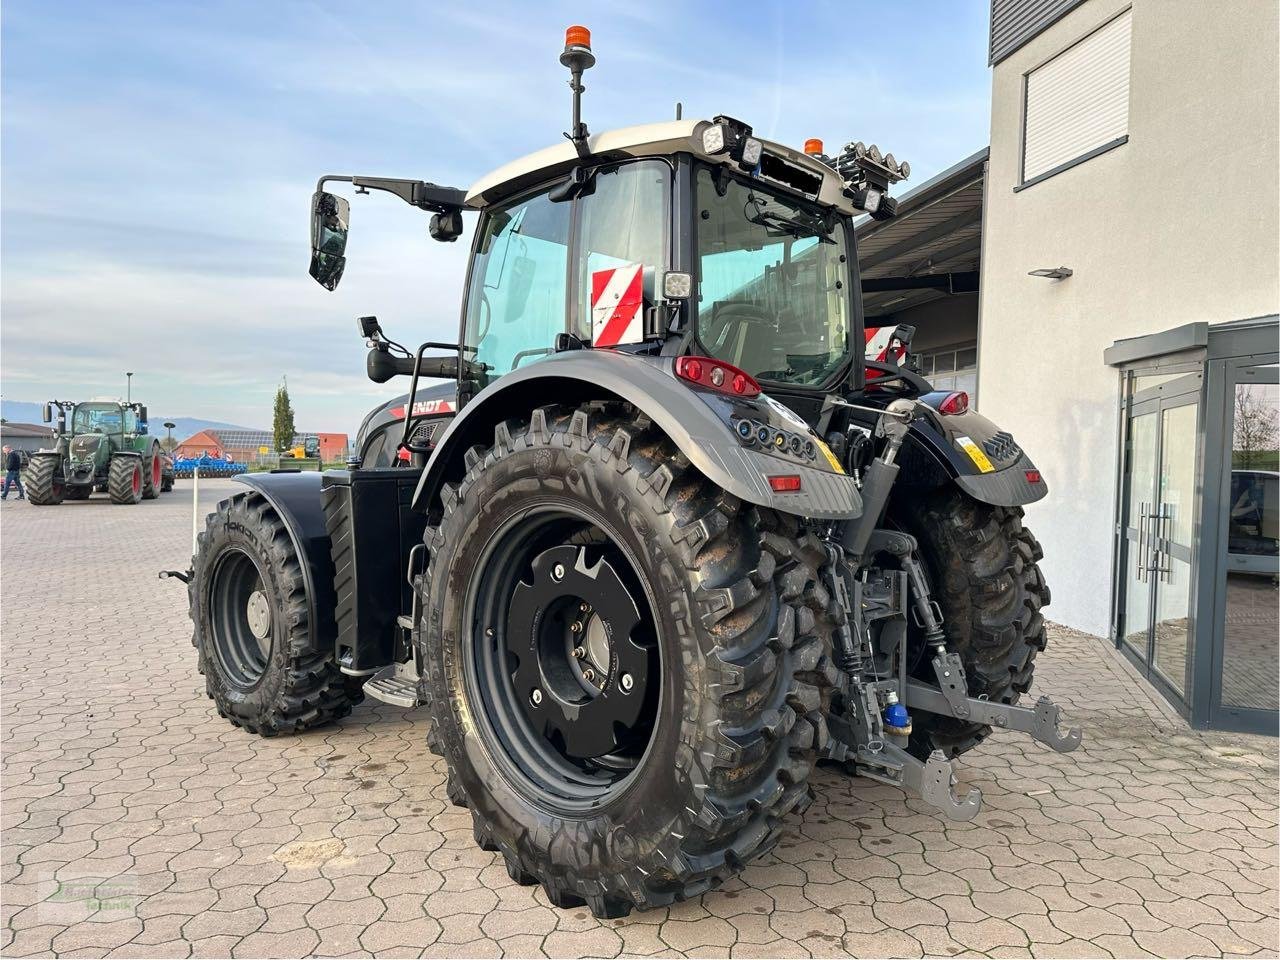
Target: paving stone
(1150,839)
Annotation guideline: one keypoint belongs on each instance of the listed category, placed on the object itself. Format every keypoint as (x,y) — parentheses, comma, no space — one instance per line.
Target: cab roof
(646,140)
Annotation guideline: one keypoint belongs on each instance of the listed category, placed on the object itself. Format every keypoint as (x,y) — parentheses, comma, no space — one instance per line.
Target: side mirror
(142,414)
(329,218)
(48,413)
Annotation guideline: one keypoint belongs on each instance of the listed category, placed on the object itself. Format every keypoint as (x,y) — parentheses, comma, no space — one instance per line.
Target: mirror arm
(417,193)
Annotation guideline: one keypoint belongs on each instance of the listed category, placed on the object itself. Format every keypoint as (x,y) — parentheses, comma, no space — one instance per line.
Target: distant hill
(20,411)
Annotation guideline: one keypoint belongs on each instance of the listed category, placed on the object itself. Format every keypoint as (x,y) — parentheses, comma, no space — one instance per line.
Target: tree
(1254,433)
(282,428)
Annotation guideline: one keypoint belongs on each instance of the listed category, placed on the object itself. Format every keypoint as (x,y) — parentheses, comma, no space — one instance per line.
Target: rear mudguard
(703,424)
(296,498)
(970,451)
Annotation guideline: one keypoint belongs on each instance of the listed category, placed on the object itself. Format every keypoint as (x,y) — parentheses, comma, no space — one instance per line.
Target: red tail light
(954,404)
(717,375)
(1033,476)
(787,483)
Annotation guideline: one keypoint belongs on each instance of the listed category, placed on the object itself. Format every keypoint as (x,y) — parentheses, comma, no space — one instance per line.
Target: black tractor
(664,541)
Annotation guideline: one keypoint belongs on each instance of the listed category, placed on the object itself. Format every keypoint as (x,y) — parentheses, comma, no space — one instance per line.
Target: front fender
(296,498)
(699,422)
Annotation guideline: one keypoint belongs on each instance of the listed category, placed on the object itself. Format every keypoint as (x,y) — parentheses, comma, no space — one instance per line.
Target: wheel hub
(569,638)
(258,613)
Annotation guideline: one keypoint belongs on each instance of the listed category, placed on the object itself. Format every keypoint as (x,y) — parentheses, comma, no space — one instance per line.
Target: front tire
(43,482)
(983,567)
(151,474)
(252,621)
(733,674)
(124,480)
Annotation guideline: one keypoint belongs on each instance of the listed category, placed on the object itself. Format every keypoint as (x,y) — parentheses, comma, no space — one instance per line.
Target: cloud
(158,161)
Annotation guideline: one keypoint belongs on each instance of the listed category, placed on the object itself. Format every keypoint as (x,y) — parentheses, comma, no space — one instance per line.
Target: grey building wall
(1178,225)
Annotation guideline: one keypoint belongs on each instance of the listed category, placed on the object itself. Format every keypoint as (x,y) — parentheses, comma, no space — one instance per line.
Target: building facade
(1129,284)
(26,436)
(248,446)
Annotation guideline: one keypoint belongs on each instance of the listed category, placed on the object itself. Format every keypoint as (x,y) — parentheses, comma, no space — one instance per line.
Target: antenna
(679,110)
(578,57)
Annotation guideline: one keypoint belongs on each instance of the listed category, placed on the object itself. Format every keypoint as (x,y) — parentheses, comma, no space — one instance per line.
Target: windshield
(96,418)
(773,283)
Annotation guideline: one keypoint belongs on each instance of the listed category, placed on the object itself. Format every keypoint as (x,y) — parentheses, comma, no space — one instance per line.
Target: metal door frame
(1224,375)
(1179,392)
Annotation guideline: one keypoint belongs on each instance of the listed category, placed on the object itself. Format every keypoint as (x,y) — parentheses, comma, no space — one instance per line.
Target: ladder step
(394,688)
(405,621)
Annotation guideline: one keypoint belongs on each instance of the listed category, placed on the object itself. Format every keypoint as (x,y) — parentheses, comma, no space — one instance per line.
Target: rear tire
(124,480)
(151,474)
(983,567)
(43,482)
(740,690)
(248,602)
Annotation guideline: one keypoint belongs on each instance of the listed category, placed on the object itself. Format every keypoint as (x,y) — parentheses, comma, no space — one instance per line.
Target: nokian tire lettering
(298,688)
(745,668)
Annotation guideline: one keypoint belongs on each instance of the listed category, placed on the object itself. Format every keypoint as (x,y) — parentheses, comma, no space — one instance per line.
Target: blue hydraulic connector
(896,718)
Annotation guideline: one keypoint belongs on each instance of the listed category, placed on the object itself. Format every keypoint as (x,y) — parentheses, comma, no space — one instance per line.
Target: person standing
(12,464)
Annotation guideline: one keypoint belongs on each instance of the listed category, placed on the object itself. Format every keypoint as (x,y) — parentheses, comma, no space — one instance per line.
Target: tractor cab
(686,237)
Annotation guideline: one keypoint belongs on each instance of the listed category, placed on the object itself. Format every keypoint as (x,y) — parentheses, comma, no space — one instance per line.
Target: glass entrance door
(1247,675)
(1158,533)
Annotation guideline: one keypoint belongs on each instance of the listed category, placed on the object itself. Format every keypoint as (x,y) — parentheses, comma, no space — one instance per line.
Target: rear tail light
(786,483)
(1033,476)
(718,376)
(954,404)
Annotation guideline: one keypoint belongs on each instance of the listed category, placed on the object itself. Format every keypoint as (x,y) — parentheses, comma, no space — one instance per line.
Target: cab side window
(130,421)
(622,221)
(516,301)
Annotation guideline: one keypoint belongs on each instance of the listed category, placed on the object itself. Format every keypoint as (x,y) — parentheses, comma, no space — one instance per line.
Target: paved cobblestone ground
(197,839)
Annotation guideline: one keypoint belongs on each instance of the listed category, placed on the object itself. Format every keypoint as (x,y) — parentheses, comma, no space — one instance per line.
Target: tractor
(665,539)
(102,444)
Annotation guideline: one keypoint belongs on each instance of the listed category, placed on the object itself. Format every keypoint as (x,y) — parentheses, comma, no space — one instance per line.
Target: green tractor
(102,444)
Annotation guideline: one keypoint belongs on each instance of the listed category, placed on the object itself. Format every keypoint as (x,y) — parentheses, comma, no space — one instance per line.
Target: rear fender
(970,451)
(296,498)
(701,423)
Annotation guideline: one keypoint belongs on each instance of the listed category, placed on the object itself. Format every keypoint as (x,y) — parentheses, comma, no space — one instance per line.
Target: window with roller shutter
(1077,103)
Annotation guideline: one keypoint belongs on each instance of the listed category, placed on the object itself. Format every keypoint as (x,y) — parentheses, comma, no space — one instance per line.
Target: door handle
(1140,573)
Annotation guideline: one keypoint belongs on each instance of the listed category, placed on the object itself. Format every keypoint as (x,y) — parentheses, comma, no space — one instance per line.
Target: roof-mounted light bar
(727,135)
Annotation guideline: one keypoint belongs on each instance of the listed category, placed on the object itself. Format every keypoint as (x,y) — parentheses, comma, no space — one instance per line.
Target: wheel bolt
(626,682)
(588,674)
(557,572)
(575,627)
(536,696)
(579,652)
(584,608)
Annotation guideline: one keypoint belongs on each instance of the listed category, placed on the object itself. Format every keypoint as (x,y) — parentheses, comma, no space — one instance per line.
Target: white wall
(1178,225)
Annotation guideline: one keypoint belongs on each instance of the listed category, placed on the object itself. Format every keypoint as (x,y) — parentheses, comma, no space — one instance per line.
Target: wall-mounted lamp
(1054,273)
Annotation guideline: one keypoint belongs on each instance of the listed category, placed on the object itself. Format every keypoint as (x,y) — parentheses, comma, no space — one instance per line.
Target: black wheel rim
(240,618)
(562,660)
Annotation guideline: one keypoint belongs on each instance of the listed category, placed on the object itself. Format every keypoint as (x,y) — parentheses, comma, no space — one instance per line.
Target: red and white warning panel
(617,305)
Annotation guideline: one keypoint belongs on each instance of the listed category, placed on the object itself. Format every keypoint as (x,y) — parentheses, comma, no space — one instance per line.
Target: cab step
(396,684)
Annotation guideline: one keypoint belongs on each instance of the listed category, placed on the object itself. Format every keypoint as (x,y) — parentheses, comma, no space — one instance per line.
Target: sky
(157,162)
